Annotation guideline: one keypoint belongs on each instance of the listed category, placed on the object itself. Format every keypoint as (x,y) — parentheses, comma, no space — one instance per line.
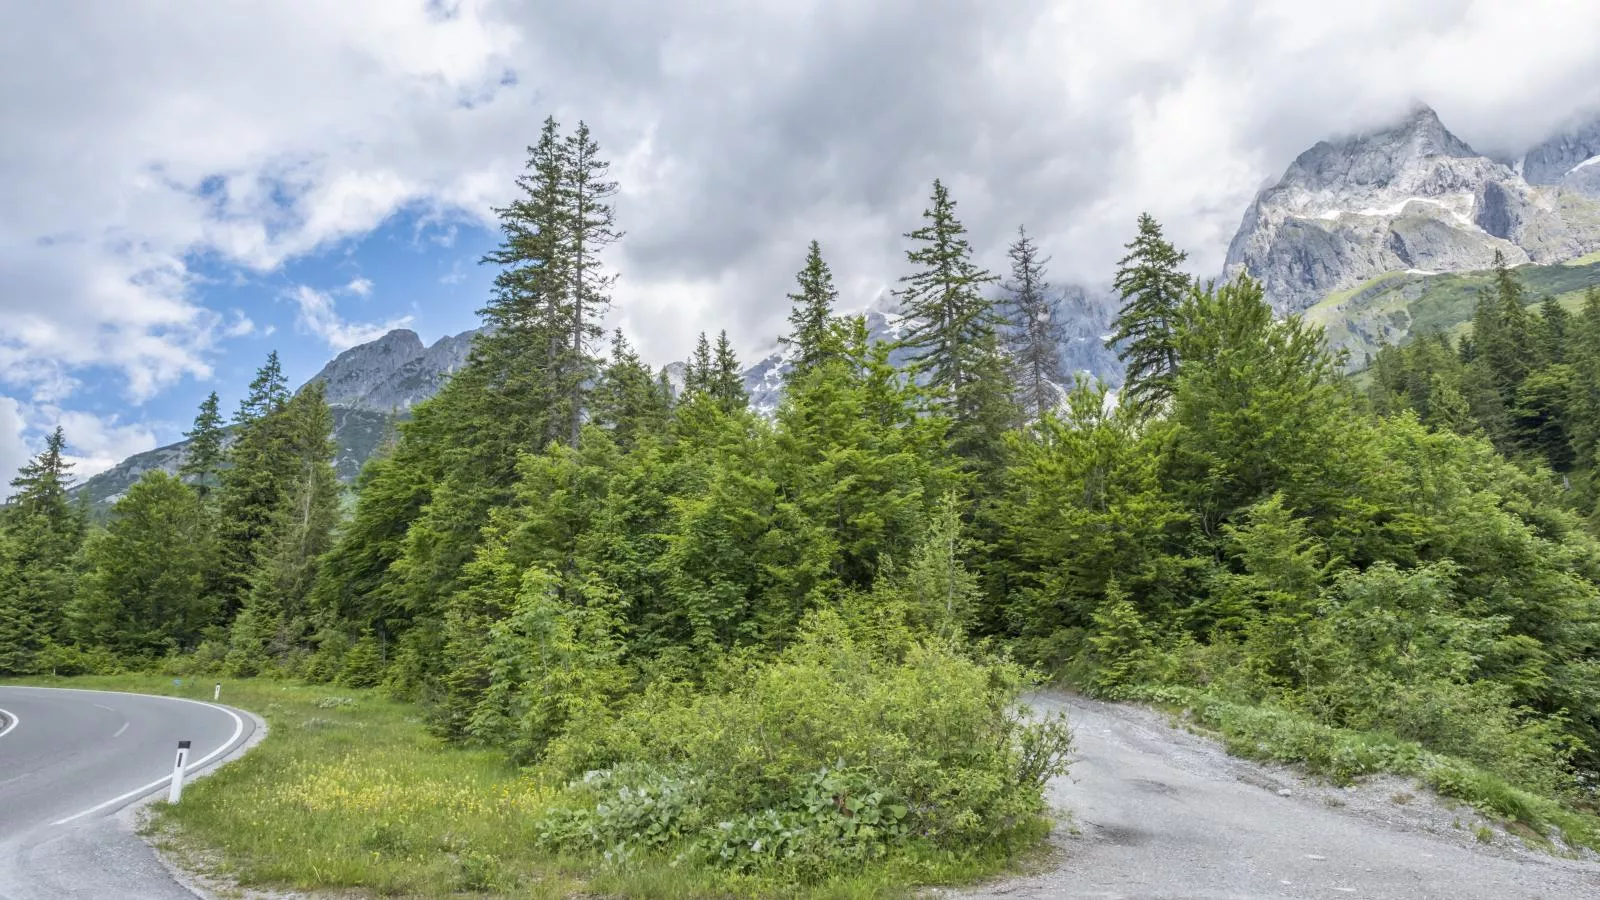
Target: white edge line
(14,720)
(238,729)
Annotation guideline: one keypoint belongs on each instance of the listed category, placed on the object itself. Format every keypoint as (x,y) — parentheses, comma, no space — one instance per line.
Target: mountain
(394,372)
(365,385)
(1413,197)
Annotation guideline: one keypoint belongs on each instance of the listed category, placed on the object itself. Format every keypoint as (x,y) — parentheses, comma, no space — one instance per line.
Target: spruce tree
(252,484)
(1145,331)
(203,461)
(811,316)
(590,226)
(40,533)
(268,392)
(275,616)
(627,400)
(42,482)
(699,372)
(1554,325)
(953,338)
(1035,336)
(725,383)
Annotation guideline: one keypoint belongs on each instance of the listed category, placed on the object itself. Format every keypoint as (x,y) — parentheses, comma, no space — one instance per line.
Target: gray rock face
(394,372)
(1552,161)
(1409,197)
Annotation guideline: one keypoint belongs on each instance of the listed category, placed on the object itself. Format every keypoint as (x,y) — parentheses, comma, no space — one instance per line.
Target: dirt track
(1156,812)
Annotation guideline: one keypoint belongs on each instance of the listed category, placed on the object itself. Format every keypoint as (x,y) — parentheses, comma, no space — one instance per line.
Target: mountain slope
(365,386)
(1413,197)
(1394,308)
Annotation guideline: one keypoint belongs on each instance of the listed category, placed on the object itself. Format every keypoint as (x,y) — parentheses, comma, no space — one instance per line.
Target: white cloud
(14,449)
(96,443)
(318,316)
(361,287)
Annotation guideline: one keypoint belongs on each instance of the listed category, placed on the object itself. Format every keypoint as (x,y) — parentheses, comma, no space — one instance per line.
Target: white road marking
(10,717)
(122,729)
(238,729)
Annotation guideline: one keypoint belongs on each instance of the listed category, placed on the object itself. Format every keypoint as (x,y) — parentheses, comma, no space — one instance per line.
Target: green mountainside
(1394,308)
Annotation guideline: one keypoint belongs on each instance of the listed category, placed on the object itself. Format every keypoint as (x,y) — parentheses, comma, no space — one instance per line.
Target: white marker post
(177,772)
(216,693)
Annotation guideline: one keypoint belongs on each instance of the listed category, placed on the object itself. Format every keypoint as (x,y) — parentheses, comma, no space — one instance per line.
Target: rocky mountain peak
(1410,196)
(1571,157)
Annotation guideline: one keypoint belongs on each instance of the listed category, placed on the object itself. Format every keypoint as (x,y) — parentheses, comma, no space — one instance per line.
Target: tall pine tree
(953,335)
(1035,335)
(811,332)
(40,532)
(1145,332)
(203,462)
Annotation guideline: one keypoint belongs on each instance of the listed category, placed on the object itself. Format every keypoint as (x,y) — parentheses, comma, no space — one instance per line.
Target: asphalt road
(1157,812)
(70,762)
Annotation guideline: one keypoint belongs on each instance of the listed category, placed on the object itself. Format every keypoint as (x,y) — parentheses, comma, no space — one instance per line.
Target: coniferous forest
(742,620)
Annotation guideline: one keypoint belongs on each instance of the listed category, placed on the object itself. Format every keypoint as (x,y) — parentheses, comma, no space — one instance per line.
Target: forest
(798,644)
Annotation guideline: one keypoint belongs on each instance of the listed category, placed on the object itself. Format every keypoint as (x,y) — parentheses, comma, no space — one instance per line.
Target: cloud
(361,287)
(96,443)
(14,450)
(317,316)
(738,131)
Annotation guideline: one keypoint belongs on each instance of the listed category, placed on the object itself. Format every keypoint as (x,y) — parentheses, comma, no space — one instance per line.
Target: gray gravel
(1153,811)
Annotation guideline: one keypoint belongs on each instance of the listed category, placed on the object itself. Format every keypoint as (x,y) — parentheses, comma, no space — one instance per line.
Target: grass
(350,793)
(1267,733)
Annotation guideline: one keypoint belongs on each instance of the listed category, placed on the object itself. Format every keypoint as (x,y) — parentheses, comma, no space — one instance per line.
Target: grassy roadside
(349,793)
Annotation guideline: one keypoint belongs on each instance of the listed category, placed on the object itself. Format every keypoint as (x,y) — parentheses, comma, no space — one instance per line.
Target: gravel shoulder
(1150,810)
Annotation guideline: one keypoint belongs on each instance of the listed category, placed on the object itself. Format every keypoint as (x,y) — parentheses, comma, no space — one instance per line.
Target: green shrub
(822,760)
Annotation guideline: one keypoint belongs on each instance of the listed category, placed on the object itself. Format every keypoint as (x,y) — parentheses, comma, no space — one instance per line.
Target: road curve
(1157,812)
(70,760)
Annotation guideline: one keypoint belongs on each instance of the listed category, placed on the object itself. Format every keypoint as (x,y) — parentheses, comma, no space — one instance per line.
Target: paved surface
(1156,812)
(72,763)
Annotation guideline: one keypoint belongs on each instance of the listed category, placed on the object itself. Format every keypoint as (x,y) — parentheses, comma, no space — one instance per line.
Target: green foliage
(816,763)
(40,533)
(1146,330)
(144,592)
(204,459)
(811,322)
(953,336)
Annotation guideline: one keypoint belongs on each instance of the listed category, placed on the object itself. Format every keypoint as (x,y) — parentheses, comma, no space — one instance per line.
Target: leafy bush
(824,759)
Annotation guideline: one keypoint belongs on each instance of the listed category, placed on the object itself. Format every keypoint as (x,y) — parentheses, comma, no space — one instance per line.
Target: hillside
(1394,308)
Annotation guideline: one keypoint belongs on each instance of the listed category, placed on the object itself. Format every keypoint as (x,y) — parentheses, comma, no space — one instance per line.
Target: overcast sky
(187,184)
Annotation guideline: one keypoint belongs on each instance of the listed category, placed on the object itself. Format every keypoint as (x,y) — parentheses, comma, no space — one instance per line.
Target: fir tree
(42,482)
(1145,332)
(275,617)
(1035,337)
(726,384)
(953,335)
(268,392)
(204,460)
(699,372)
(40,533)
(627,400)
(1554,324)
(811,317)
(590,225)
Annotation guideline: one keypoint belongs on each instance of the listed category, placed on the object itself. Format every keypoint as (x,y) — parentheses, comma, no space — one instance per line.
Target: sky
(186,185)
